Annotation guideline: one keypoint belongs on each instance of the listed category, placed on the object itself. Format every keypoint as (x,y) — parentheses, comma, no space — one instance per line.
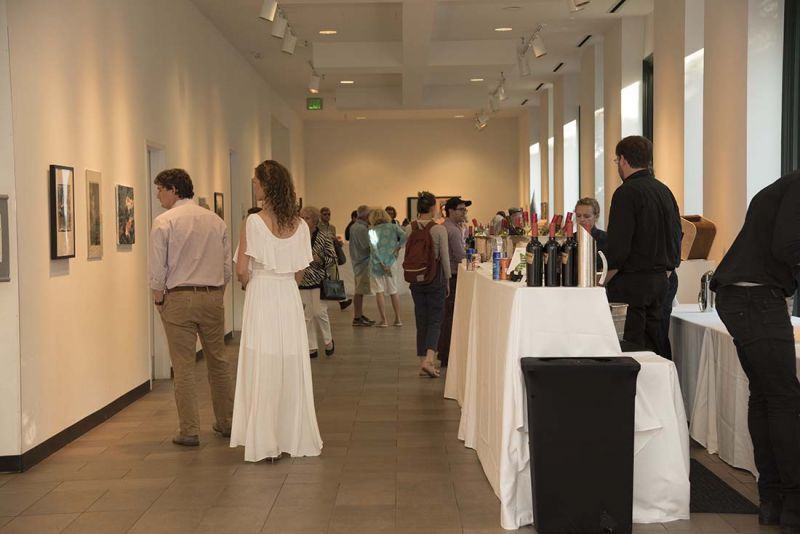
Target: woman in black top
(316,310)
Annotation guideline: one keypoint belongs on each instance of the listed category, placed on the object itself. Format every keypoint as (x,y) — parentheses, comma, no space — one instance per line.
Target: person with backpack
(427,269)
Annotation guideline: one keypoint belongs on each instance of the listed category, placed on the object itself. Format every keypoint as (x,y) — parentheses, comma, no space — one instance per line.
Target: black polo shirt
(644,228)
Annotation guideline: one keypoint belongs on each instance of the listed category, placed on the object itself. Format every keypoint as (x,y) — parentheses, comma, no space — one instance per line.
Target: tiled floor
(391,463)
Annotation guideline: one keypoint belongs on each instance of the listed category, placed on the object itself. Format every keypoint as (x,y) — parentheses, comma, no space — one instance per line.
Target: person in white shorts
(385,241)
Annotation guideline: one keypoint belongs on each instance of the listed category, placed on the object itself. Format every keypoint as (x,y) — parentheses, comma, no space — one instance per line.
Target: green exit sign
(313,104)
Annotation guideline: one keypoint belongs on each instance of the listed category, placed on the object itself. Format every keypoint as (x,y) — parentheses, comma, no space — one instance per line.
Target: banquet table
(497,323)
(714,385)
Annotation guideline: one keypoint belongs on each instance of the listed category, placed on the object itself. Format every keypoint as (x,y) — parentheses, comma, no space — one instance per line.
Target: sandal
(430,372)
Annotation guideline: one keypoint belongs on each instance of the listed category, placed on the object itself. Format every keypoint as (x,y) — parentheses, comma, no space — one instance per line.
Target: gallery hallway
(391,463)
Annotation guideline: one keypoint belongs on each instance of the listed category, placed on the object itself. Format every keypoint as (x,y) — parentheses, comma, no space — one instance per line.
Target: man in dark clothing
(642,249)
(752,283)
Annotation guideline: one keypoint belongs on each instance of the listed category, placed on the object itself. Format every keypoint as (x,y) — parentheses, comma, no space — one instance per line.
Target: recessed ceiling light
(360,118)
(512,8)
(347,82)
(476,79)
(459,117)
(503,29)
(328,32)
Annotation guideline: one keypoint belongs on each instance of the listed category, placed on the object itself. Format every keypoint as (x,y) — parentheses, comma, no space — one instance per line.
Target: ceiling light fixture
(481,120)
(458,116)
(476,80)
(360,118)
(522,59)
(494,103)
(500,90)
(503,29)
(347,82)
(289,42)
(575,5)
(268,10)
(279,26)
(537,44)
(316,80)
(534,43)
(328,32)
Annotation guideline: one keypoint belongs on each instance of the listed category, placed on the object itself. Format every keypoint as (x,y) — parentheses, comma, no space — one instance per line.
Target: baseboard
(28,459)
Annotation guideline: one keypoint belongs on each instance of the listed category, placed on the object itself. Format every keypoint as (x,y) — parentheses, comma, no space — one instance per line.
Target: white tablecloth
(497,323)
(714,385)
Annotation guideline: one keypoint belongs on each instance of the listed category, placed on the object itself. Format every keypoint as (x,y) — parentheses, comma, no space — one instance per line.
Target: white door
(159,350)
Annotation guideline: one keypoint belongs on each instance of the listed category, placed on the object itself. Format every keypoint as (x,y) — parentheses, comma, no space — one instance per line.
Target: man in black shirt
(752,283)
(643,242)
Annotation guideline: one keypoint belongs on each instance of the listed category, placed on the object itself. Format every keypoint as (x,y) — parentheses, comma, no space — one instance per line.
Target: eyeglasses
(462,209)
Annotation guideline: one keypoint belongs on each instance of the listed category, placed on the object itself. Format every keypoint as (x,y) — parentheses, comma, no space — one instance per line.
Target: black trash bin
(580,424)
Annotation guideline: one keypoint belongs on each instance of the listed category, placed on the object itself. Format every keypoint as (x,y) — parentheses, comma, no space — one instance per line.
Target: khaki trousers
(185,315)
(316,313)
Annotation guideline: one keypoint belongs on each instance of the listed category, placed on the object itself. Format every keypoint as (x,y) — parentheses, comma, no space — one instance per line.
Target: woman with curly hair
(273,411)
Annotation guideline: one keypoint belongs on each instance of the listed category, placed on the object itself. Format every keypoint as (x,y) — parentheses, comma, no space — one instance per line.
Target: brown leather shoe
(186,441)
(218,430)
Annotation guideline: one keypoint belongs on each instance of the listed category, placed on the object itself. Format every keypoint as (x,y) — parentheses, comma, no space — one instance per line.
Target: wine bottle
(552,258)
(535,256)
(569,257)
(470,238)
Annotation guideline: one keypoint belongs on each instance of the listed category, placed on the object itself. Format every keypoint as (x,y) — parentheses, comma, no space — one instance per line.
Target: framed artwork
(411,205)
(219,205)
(126,228)
(94,215)
(62,212)
(203,203)
(5,249)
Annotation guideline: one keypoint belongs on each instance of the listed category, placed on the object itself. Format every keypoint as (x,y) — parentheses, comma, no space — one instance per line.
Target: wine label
(545,257)
(529,258)
(564,257)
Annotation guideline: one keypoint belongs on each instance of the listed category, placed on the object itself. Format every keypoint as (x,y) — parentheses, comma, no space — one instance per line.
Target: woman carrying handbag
(312,285)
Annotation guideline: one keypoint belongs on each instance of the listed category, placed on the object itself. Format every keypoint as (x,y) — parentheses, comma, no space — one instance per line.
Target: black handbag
(341,259)
(332,289)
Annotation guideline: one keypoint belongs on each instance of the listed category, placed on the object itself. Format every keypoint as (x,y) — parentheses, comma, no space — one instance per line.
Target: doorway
(160,364)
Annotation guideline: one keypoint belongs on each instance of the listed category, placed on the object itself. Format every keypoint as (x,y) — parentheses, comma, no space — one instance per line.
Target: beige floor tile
(39,524)
(747,524)
(294,518)
(248,497)
(233,520)
(707,523)
(323,494)
(440,515)
(103,522)
(126,499)
(356,517)
(64,502)
(371,492)
(424,492)
(167,522)
(184,497)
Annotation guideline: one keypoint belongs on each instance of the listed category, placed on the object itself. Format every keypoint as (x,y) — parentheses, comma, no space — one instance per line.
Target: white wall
(9,291)
(92,82)
(384,162)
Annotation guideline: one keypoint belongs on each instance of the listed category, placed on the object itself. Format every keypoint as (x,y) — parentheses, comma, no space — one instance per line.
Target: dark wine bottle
(535,257)
(569,257)
(470,242)
(552,258)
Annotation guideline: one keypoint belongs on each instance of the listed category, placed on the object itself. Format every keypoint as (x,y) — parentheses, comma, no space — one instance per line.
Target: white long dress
(273,410)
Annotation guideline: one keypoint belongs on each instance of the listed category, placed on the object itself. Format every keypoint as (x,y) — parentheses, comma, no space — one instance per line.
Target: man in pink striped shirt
(190,265)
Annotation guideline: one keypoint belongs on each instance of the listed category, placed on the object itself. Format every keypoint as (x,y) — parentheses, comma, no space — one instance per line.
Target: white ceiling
(411,58)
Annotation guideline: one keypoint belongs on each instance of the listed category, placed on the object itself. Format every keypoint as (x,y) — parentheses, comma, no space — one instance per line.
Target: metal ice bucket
(706,297)
(619,311)
(587,260)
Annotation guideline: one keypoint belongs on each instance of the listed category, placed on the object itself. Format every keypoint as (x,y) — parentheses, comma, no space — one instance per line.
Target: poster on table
(94,215)
(126,230)
(62,212)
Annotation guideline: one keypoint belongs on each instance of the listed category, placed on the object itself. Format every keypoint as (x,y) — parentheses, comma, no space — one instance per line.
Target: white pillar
(668,95)
(725,119)
(523,130)
(558,134)
(544,135)
(632,53)
(587,93)
(10,412)
(612,116)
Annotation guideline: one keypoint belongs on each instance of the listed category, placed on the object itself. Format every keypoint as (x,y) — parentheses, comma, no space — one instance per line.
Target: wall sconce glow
(279,26)
(268,10)
(328,32)
(631,105)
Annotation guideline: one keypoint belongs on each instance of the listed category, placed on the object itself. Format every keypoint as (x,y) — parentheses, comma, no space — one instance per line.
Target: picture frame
(411,207)
(203,203)
(94,215)
(5,248)
(62,212)
(219,205)
(126,225)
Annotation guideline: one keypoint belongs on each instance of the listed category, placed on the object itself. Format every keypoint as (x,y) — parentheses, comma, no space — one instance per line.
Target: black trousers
(447,323)
(428,312)
(758,320)
(643,293)
(666,315)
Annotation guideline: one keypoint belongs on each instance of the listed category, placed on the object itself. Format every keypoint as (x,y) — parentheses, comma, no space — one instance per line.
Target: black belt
(193,288)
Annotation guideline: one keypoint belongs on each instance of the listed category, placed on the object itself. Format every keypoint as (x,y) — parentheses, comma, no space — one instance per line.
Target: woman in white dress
(273,411)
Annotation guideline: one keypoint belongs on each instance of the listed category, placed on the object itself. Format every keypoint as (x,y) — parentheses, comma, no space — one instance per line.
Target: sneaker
(313,354)
(218,429)
(330,351)
(367,320)
(186,441)
(343,304)
(359,321)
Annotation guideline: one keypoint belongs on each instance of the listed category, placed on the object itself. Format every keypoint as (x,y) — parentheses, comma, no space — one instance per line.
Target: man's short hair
(637,151)
(323,208)
(176,179)
(589,201)
(362,211)
(426,201)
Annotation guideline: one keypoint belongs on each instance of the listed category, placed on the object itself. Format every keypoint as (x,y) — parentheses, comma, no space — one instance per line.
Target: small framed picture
(94,215)
(126,228)
(219,205)
(62,212)
(5,249)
